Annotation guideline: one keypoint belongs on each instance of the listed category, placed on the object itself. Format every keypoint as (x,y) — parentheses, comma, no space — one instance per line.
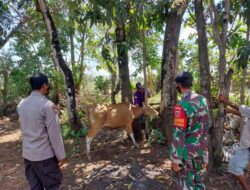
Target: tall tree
(82,66)
(122,56)
(174,15)
(58,58)
(205,81)
(107,48)
(220,30)
(117,13)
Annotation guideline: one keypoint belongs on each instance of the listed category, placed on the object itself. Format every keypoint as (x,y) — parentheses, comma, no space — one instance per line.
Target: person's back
(43,149)
(32,112)
(189,147)
(195,107)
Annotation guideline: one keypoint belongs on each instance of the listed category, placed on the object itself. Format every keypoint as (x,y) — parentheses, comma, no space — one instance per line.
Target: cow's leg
(90,136)
(131,134)
(88,142)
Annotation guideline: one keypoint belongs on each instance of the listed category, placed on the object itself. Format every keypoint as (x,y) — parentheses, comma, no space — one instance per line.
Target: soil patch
(116,164)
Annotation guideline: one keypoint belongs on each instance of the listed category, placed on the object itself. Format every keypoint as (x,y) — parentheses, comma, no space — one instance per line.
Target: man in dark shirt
(139,95)
(139,99)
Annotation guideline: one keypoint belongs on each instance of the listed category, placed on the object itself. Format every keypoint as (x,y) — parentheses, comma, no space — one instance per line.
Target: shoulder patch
(180,118)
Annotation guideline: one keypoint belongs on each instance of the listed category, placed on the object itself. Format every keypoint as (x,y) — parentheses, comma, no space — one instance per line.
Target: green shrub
(68,133)
(155,136)
(102,85)
(75,137)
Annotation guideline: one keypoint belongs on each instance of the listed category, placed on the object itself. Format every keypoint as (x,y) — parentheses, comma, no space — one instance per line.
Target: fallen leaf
(160,177)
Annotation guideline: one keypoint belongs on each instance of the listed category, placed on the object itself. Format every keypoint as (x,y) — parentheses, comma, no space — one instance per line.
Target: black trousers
(44,174)
(137,126)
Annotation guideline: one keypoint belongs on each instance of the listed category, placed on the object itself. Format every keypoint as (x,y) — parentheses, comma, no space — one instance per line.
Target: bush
(68,133)
(102,85)
(155,135)
(74,137)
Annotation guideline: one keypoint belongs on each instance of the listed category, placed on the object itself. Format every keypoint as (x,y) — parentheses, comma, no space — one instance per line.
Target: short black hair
(185,79)
(138,85)
(37,80)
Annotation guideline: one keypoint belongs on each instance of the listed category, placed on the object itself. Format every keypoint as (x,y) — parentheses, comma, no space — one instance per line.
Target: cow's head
(150,111)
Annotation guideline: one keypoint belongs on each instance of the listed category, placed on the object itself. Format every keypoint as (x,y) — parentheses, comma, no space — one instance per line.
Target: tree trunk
(221,40)
(115,88)
(228,81)
(82,66)
(150,84)
(145,65)
(72,49)
(122,51)
(71,40)
(57,56)
(205,79)
(4,91)
(168,68)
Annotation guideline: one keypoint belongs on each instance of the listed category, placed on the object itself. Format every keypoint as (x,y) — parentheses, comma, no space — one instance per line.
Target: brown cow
(114,116)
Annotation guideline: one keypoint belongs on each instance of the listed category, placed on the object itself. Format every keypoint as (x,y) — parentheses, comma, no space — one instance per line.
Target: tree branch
(214,22)
(24,20)
(225,21)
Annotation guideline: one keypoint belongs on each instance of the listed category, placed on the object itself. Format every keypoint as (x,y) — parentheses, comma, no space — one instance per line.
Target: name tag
(180,118)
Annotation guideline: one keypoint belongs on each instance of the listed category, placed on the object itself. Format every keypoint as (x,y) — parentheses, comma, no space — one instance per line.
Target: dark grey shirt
(41,134)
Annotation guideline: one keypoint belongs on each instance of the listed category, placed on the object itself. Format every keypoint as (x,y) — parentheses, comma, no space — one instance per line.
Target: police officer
(43,149)
(189,147)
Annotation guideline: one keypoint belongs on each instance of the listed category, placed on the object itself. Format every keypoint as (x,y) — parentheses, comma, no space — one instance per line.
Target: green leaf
(132,11)
(98,67)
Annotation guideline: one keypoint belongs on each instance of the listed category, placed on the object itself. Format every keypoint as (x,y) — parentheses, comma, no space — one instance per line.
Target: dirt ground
(115,164)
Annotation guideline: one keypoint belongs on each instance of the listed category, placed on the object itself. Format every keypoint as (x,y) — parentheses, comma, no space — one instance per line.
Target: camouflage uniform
(189,147)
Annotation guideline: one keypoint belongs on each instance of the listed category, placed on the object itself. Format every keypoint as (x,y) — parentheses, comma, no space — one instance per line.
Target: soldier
(189,148)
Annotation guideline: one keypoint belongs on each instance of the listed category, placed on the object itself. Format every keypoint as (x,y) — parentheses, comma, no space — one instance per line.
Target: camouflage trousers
(190,176)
